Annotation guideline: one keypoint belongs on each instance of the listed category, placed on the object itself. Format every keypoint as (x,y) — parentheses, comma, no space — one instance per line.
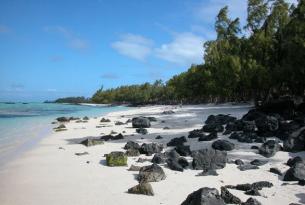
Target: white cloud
(186,48)
(133,46)
(74,41)
(208,10)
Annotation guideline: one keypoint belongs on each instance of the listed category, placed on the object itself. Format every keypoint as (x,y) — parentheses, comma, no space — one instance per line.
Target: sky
(59,48)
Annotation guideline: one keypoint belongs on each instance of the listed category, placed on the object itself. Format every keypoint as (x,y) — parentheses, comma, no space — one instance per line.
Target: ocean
(23,124)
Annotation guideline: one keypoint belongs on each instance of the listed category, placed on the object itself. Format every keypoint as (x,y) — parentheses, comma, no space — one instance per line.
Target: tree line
(265,58)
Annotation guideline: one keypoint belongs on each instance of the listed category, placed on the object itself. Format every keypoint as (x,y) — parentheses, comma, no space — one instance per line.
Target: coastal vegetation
(73,100)
(265,58)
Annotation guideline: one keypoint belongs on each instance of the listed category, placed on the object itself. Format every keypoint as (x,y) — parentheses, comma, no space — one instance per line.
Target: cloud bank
(133,46)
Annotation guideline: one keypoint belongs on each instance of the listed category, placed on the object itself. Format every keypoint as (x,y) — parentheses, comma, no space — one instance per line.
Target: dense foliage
(73,100)
(266,57)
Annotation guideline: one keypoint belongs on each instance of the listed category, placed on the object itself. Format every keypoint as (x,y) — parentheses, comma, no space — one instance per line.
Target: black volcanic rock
(209,159)
(223,145)
(204,196)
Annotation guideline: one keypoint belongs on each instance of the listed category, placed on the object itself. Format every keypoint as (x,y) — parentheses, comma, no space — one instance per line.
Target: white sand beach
(52,174)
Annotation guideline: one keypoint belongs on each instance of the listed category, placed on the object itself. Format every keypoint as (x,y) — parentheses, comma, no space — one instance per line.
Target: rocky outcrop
(223,145)
(105,120)
(196,134)
(209,159)
(177,141)
(267,124)
(295,141)
(296,172)
(142,131)
(91,142)
(183,150)
(212,128)
(269,148)
(116,159)
(142,188)
(204,196)
(151,148)
(228,197)
(140,122)
(152,173)
(219,119)
(112,137)
(292,161)
(251,201)
(132,145)
(132,152)
(208,137)
(258,162)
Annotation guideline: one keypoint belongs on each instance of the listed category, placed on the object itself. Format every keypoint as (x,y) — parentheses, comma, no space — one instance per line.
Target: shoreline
(51,173)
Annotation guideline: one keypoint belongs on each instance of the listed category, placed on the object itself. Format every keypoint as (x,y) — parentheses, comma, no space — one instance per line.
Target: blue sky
(57,48)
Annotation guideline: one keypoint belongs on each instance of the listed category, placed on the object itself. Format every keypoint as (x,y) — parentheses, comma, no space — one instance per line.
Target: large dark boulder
(151,148)
(209,159)
(152,173)
(251,201)
(159,158)
(248,126)
(131,145)
(183,150)
(292,161)
(63,119)
(174,165)
(253,115)
(247,137)
(112,137)
(208,172)
(296,141)
(269,148)
(254,186)
(235,126)
(176,141)
(219,119)
(213,128)
(204,196)
(267,124)
(142,131)
(275,170)
(295,173)
(283,106)
(228,197)
(258,162)
(183,162)
(132,152)
(172,154)
(142,188)
(223,145)
(196,133)
(140,122)
(114,159)
(286,128)
(208,137)
(91,142)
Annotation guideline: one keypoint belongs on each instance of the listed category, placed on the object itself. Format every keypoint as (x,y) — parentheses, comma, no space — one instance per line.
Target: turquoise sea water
(23,124)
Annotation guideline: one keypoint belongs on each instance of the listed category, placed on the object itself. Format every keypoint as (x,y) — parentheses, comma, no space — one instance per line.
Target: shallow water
(21,124)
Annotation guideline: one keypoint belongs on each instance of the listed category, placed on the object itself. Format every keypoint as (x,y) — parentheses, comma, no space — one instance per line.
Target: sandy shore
(49,175)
